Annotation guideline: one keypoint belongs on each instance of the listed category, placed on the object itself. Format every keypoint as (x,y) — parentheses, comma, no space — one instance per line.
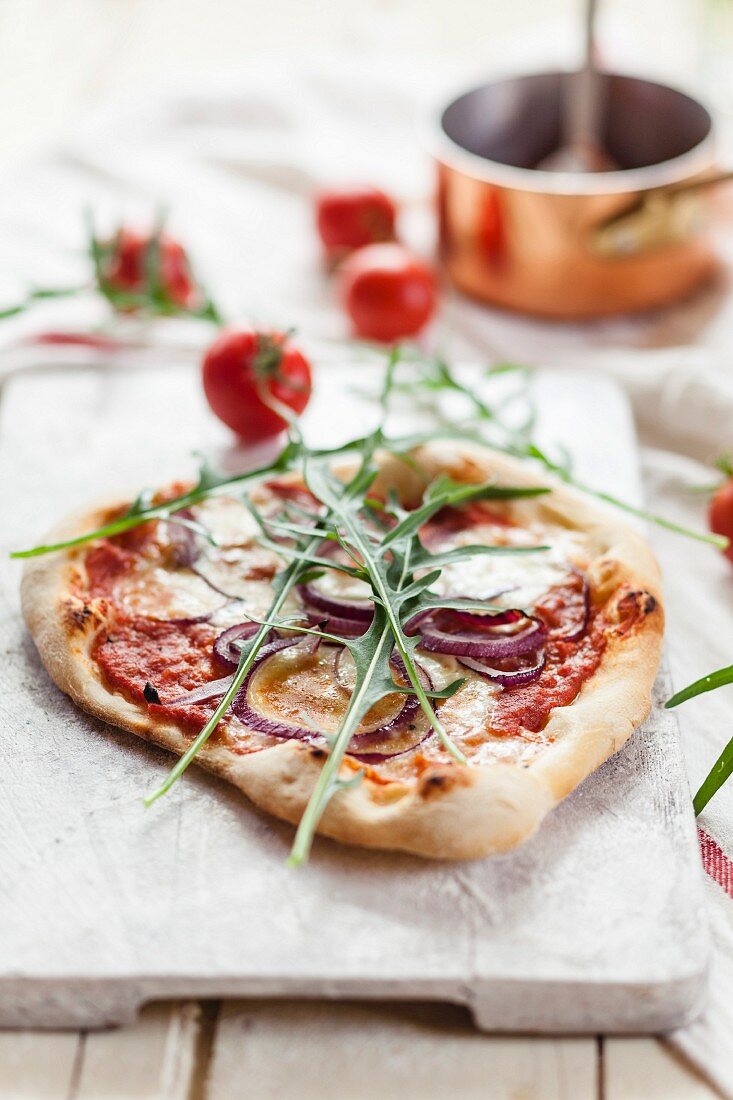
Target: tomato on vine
(256,382)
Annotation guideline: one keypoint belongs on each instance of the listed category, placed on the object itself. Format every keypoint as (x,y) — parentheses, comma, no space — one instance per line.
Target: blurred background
(58,59)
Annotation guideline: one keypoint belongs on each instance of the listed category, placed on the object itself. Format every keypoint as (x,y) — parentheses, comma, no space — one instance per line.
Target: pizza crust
(450,811)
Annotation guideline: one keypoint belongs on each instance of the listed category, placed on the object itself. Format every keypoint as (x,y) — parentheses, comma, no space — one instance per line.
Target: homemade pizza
(428,660)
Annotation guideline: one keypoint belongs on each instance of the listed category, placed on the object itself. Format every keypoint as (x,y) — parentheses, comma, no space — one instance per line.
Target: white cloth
(236,165)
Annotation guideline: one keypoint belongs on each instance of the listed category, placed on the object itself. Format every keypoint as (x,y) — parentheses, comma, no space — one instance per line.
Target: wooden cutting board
(596,924)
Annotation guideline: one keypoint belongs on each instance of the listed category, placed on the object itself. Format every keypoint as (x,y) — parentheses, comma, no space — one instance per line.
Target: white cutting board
(596,924)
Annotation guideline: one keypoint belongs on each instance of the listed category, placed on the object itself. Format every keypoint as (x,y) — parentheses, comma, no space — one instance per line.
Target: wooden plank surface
(152,1059)
(361,1052)
(37,1066)
(325,1051)
(641,1069)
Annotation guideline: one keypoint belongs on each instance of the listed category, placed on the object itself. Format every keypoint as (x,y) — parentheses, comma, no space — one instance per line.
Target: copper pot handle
(661,216)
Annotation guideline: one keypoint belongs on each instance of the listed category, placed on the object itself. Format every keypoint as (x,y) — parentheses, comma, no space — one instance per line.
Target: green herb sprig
(722,769)
(151,300)
(435,376)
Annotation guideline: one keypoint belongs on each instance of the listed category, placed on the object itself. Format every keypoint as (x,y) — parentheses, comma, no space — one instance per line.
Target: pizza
(552,669)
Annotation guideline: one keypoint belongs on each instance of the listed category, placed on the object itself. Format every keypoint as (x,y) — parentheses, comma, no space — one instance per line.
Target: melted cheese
(525,577)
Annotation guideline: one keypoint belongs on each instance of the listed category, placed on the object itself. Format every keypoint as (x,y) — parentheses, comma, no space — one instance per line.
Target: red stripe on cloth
(716,862)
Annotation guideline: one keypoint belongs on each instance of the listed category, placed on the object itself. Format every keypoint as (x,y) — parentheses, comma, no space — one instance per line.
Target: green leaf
(445,492)
(208,485)
(723,767)
(710,682)
(209,477)
(389,595)
(423,556)
(40,294)
(458,603)
(719,774)
(436,374)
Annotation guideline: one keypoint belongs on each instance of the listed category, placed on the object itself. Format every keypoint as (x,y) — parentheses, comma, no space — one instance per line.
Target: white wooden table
(55,60)
(315,1051)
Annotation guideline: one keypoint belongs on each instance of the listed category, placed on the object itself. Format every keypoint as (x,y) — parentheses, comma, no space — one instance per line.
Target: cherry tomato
(352,217)
(247,375)
(387,292)
(124,260)
(721,514)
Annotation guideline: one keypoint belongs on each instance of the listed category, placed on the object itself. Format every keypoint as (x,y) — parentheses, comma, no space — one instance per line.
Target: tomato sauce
(172,657)
(567,666)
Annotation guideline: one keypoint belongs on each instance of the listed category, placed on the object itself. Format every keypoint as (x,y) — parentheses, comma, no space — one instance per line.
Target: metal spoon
(581,149)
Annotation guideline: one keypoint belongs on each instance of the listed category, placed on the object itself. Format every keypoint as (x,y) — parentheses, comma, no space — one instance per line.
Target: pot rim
(452,155)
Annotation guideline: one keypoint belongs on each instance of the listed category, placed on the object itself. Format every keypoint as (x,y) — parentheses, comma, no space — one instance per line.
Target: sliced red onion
(380,757)
(514,678)
(346,628)
(486,620)
(363,610)
(482,620)
(247,714)
(188,554)
(190,620)
(186,549)
(198,568)
(203,694)
(480,644)
(225,649)
(345,608)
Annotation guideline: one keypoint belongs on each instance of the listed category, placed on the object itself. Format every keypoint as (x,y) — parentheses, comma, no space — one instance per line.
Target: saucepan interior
(503,130)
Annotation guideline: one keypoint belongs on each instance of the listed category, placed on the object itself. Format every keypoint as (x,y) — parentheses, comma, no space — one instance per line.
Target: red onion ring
(481,645)
(203,694)
(380,757)
(225,651)
(346,628)
(186,549)
(480,619)
(191,620)
(310,593)
(247,714)
(250,717)
(487,620)
(508,679)
(363,610)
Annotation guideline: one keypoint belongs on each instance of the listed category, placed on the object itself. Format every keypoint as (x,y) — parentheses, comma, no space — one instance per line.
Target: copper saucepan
(572,245)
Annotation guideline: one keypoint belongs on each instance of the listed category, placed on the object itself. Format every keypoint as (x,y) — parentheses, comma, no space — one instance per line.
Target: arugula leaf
(374,680)
(423,556)
(445,492)
(209,484)
(283,583)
